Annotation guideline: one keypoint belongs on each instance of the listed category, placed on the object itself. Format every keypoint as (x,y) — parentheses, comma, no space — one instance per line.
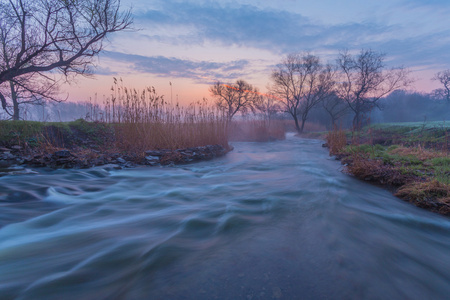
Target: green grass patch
(421,163)
(412,156)
(60,134)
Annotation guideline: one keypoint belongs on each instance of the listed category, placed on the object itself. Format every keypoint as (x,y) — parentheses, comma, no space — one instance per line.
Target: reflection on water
(268,221)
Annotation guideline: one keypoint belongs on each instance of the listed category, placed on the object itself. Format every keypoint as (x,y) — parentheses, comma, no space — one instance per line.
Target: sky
(182,47)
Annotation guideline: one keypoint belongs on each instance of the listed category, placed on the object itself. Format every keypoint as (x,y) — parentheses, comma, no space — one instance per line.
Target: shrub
(336,140)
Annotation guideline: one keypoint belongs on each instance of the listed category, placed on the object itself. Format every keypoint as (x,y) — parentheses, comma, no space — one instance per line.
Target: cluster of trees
(301,83)
(45,42)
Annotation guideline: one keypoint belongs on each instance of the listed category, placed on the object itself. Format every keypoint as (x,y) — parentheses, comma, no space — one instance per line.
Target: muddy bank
(16,159)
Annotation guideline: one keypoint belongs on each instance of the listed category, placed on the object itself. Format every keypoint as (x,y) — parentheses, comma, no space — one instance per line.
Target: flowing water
(267,221)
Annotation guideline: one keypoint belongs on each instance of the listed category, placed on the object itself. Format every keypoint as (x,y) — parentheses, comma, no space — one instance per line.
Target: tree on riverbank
(38,38)
(335,107)
(363,81)
(301,82)
(234,97)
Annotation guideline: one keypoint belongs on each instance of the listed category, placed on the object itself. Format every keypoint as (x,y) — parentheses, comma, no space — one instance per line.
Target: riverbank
(411,159)
(17,159)
(82,144)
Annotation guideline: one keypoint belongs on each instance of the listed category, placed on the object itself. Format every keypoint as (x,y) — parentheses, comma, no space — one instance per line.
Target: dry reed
(336,140)
(143,120)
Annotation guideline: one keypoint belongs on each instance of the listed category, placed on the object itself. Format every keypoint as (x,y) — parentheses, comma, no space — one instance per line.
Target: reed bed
(143,120)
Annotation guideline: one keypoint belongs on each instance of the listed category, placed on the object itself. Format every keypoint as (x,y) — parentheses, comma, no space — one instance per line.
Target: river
(267,221)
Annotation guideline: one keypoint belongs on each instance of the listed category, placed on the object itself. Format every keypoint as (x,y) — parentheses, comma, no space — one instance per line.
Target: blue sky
(193,43)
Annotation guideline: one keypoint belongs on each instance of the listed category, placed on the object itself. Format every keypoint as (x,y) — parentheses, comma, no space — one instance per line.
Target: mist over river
(267,221)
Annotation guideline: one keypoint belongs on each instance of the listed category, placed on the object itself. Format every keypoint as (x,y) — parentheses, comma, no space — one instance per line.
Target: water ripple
(274,220)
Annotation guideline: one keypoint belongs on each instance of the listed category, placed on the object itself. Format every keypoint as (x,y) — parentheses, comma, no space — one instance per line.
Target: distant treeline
(399,106)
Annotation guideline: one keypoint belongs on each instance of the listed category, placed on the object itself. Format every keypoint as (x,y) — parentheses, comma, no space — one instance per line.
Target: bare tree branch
(43,36)
(234,97)
(363,80)
(444,78)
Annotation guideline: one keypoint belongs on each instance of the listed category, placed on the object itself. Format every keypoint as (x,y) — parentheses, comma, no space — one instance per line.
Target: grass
(414,157)
(31,134)
(21,133)
(425,134)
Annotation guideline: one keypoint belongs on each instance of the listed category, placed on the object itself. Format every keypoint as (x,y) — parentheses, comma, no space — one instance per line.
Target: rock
(62,154)
(156,152)
(129,164)
(27,159)
(68,158)
(7,156)
(150,157)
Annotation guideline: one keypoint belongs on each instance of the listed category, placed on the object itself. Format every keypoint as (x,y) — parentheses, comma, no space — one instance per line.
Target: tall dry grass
(336,140)
(143,120)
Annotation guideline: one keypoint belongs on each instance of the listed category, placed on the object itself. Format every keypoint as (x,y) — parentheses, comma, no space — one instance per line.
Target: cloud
(99,70)
(199,71)
(281,32)
(247,25)
(442,3)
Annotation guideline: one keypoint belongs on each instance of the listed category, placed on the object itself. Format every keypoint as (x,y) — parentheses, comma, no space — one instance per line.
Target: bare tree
(444,79)
(335,107)
(301,82)
(39,37)
(364,80)
(268,106)
(240,96)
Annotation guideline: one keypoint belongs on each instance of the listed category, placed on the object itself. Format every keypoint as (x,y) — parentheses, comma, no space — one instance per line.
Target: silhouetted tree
(335,107)
(38,37)
(267,106)
(444,79)
(363,80)
(234,97)
(301,82)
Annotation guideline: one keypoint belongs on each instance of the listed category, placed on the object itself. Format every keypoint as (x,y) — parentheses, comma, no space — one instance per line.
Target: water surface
(268,221)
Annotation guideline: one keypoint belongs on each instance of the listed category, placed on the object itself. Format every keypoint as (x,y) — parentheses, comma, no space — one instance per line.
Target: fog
(399,106)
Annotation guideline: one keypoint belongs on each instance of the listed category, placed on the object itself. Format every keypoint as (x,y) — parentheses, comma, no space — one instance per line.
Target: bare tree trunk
(297,126)
(357,118)
(303,125)
(15,101)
